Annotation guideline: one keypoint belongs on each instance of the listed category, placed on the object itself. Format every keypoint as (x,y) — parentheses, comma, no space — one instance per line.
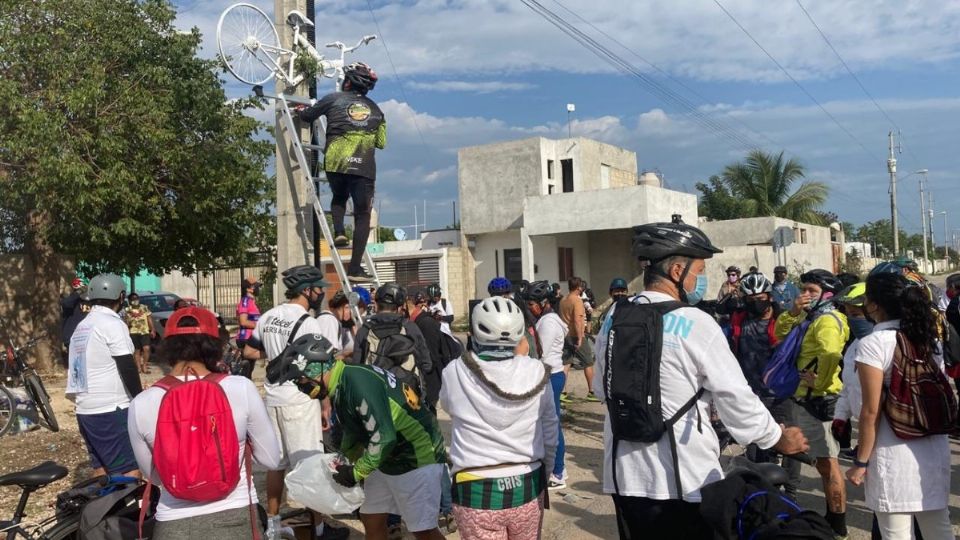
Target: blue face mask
(696,295)
(860,327)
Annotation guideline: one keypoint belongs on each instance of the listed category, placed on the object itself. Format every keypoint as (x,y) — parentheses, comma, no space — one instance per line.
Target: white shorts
(415,496)
(300,430)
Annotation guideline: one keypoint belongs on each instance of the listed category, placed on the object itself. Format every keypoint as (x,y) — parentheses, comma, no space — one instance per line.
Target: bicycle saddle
(38,476)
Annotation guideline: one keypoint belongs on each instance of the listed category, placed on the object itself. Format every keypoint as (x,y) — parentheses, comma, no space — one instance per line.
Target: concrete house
(550,209)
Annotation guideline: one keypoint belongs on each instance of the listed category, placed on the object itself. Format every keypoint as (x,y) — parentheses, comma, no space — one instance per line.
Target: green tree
(118,146)
(764,183)
(717,202)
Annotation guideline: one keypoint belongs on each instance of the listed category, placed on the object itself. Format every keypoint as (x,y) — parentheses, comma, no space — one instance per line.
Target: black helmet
(825,279)
(308,356)
(618,283)
(391,293)
(361,78)
(656,241)
(302,277)
(780,269)
(433,290)
(538,291)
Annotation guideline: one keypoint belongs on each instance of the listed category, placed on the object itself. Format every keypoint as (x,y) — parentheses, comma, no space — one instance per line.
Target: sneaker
(334,533)
(592,398)
(394,532)
(556,482)
(564,398)
(360,276)
(341,241)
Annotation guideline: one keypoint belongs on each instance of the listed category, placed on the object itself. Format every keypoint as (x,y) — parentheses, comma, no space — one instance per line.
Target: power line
(852,74)
(649,84)
(663,72)
(796,82)
(396,75)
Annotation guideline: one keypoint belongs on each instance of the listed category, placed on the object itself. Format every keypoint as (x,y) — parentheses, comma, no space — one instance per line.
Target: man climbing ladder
(355,126)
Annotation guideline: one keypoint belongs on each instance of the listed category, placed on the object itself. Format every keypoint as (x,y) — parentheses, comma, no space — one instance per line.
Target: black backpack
(632,379)
(390,348)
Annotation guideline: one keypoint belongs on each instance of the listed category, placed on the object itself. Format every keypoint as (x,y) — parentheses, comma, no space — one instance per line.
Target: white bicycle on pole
(250,47)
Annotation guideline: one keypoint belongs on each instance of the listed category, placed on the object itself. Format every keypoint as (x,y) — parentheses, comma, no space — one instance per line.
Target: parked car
(160,304)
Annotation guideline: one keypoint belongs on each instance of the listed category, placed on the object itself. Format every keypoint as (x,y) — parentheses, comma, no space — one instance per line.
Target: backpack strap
(248,462)
(293,333)
(168,383)
(692,402)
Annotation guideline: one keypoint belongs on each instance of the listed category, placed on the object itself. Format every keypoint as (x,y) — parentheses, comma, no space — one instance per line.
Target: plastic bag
(311,484)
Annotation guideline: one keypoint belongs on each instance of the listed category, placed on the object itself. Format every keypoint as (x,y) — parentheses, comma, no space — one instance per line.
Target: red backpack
(919,400)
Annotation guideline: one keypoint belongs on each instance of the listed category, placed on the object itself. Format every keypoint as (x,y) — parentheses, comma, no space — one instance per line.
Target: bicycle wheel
(8,410)
(39,395)
(249,43)
(67,529)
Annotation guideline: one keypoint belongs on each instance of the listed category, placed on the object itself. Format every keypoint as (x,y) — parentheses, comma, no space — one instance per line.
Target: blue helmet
(887,267)
(499,286)
(363,294)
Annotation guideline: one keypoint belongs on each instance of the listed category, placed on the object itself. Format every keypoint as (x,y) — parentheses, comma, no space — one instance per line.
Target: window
(513,265)
(803,236)
(566,172)
(550,189)
(604,176)
(565,263)
(549,169)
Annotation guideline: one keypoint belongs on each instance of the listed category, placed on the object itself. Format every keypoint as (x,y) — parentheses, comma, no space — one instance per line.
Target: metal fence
(220,289)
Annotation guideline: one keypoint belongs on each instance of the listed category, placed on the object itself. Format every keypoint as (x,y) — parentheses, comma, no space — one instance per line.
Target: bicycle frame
(332,69)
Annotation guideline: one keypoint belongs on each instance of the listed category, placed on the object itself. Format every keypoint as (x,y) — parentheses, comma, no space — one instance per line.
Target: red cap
(206,320)
(76,283)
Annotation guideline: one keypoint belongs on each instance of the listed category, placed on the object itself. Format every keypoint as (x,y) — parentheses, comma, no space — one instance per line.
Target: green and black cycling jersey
(385,426)
(355,126)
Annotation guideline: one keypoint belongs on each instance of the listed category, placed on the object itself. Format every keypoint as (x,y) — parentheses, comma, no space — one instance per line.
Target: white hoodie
(490,429)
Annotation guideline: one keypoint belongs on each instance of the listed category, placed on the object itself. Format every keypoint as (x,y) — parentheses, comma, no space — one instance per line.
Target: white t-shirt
(904,475)
(439,309)
(695,355)
(552,330)
(93,380)
(848,405)
(273,330)
(252,423)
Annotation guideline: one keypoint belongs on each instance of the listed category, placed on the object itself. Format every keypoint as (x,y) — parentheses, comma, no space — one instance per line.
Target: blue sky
(477,71)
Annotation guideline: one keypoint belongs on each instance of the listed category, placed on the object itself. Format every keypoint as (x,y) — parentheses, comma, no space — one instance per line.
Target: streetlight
(946,244)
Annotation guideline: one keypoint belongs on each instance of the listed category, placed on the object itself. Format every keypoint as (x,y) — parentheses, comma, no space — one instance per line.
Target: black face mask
(256,291)
(316,304)
(758,308)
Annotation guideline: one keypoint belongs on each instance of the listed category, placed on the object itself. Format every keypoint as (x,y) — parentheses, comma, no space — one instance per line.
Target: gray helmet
(106,287)
(302,277)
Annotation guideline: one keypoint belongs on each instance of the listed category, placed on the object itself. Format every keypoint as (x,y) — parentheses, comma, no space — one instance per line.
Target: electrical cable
(644,81)
(396,75)
(796,82)
(663,72)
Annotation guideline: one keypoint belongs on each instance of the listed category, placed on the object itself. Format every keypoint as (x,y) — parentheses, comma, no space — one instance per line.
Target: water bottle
(273,528)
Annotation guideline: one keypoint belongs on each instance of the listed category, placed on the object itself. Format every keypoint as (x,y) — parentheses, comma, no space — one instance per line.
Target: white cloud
(687,38)
(476,87)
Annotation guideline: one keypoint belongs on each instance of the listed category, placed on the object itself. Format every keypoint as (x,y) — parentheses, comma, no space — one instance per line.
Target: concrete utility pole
(946,242)
(933,244)
(892,168)
(923,220)
(294,215)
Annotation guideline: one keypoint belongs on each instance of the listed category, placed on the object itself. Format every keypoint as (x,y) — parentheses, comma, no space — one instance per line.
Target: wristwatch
(861,464)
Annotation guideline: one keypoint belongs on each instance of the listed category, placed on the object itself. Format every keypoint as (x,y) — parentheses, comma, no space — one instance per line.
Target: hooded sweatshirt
(502,413)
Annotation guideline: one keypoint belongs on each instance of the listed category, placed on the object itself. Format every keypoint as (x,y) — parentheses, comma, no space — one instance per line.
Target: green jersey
(385,425)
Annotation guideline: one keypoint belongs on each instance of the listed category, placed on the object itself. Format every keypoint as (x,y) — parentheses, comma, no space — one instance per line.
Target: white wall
(484,254)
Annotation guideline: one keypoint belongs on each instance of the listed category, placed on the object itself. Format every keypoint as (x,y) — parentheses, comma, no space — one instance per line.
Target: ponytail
(910,303)
(918,320)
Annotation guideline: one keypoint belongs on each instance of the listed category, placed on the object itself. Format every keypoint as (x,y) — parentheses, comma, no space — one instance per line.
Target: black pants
(648,519)
(360,189)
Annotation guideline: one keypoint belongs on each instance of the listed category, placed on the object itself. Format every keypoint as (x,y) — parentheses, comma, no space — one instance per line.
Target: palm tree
(763,183)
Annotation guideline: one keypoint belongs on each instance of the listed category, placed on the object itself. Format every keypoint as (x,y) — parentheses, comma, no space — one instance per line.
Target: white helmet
(755,283)
(497,322)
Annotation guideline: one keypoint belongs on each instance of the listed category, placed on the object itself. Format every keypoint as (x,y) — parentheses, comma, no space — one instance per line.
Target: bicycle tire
(246,26)
(8,410)
(39,394)
(67,529)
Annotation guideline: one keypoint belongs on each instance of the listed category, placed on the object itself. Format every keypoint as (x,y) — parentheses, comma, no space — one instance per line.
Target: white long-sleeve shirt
(552,331)
(695,355)
(489,429)
(851,397)
(252,423)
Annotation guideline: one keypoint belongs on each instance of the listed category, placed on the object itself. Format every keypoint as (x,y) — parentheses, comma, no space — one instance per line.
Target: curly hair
(191,347)
(902,299)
